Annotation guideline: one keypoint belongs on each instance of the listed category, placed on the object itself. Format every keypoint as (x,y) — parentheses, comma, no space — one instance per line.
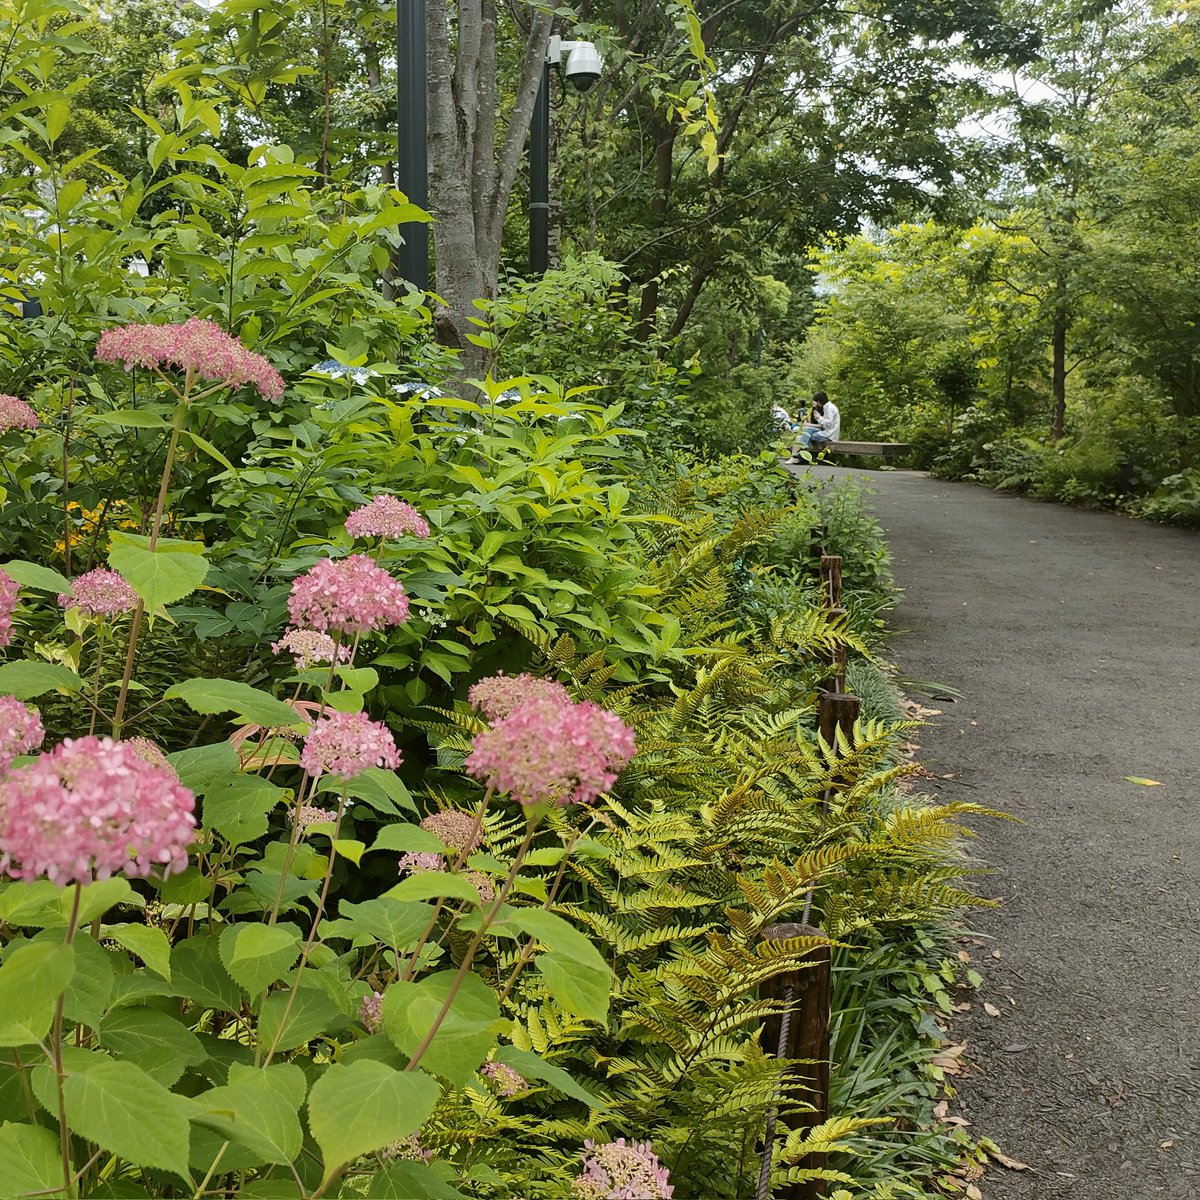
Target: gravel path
(1073,638)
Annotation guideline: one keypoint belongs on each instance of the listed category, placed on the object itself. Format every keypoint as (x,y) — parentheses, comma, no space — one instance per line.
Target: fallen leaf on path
(991,1010)
(1143,782)
(1165,1145)
(973,1193)
(999,1156)
(1016,1047)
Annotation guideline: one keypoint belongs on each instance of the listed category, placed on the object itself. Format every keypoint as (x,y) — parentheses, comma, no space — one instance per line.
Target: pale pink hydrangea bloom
(545,750)
(349,595)
(90,808)
(151,753)
(482,884)
(20,729)
(386,516)
(508,1081)
(9,590)
(198,347)
(100,593)
(310,648)
(498,695)
(622,1171)
(418,862)
(370,1012)
(409,1149)
(309,815)
(16,414)
(457,829)
(347,744)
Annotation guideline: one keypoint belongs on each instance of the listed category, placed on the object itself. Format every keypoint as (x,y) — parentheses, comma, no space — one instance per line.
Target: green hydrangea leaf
(364,1106)
(466,1034)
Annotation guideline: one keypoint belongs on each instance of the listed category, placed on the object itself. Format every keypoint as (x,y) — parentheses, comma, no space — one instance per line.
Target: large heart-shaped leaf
(27,679)
(257,955)
(32,977)
(172,570)
(251,706)
(467,1031)
(364,1106)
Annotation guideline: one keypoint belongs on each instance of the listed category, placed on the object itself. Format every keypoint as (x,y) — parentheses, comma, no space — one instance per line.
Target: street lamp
(580,62)
(412,170)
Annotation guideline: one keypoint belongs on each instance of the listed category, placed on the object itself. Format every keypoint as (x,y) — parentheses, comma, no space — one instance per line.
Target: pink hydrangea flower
(457,829)
(408,1149)
(198,347)
(418,862)
(482,884)
(347,744)
(370,1012)
(508,1081)
(20,729)
(622,1171)
(310,648)
(498,695)
(386,516)
(100,593)
(9,590)
(548,751)
(90,808)
(16,414)
(150,752)
(349,595)
(309,815)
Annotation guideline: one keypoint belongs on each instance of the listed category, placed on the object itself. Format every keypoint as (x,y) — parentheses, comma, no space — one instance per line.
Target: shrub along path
(1073,637)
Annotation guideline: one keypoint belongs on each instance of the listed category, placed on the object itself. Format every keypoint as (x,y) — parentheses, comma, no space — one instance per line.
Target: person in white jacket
(824,428)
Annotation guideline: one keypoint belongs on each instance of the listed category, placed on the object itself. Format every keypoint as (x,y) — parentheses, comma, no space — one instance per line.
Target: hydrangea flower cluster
(408,1149)
(310,647)
(9,590)
(386,516)
(622,1171)
(100,593)
(16,414)
(20,729)
(310,815)
(198,347)
(151,753)
(457,829)
(350,595)
(90,808)
(508,1081)
(550,750)
(370,1012)
(499,694)
(417,862)
(347,744)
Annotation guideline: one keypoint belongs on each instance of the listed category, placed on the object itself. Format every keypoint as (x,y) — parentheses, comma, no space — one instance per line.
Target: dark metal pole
(412,170)
(539,179)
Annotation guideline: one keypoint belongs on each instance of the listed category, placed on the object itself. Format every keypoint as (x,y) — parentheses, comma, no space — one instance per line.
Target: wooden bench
(870,449)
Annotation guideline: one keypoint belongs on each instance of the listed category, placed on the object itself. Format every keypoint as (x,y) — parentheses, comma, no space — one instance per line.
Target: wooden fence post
(836,710)
(831,579)
(801,1032)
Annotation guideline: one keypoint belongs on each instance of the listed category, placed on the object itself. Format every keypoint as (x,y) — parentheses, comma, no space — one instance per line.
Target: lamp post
(412,168)
(581,63)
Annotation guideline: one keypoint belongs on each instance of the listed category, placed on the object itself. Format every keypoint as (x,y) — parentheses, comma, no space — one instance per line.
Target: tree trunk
(1058,369)
(471,170)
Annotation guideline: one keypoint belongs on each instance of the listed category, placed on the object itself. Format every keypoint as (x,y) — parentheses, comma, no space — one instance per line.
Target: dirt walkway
(1073,637)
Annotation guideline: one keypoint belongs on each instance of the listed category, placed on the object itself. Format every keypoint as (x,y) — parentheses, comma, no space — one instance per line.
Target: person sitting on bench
(822,429)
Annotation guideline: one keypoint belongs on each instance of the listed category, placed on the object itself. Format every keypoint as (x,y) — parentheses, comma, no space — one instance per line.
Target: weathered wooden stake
(831,579)
(836,710)
(807,1039)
